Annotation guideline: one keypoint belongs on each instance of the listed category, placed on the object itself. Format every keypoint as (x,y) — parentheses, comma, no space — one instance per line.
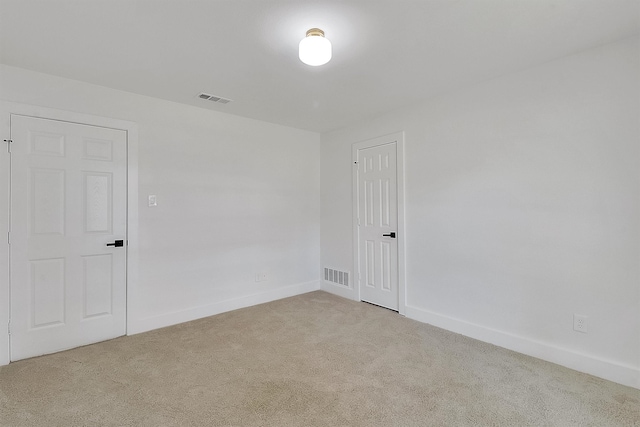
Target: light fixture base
(315,32)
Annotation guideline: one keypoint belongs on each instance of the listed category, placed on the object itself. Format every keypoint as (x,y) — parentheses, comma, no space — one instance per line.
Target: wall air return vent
(214,98)
(336,276)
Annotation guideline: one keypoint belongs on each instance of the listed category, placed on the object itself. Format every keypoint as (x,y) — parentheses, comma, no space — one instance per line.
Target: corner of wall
(4,230)
(341,291)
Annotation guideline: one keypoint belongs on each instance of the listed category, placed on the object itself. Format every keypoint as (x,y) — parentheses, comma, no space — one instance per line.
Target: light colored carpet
(310,360)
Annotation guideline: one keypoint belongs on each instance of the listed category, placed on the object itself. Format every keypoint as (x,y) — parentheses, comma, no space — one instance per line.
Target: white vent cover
(214,98)
(336,276)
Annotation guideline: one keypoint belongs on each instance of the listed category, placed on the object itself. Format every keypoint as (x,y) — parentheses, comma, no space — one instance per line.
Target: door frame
(131,129)
(398,138)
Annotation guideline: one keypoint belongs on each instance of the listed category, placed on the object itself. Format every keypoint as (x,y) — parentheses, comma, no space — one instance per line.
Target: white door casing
(378,221)
(68,200)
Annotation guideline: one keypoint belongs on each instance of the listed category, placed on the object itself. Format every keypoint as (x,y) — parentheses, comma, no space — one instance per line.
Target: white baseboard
(168,319)
(4,354)
(338,290)
(609,370)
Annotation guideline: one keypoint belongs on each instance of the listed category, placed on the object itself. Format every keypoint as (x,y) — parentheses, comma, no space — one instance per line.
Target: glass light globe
(315,49)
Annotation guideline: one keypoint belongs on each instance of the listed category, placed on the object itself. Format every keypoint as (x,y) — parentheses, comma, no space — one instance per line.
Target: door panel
(377,215)
(98,285)
(47,292)
(97,202)
(68,200)
(47,205)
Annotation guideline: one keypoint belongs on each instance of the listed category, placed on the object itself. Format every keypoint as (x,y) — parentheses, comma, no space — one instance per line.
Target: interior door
(68,211)
(377,225)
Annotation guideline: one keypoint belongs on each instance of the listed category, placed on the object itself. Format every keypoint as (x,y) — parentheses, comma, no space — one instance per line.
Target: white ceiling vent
(214,98)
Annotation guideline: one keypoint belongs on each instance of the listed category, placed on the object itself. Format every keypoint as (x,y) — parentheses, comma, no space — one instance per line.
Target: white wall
(235,197)
(522,208)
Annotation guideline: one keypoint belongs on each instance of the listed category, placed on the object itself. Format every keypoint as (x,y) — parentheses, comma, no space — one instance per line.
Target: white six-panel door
(377,222)
(68,200)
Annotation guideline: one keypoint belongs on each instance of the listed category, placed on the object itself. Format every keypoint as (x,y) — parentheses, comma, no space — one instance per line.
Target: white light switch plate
(152,200)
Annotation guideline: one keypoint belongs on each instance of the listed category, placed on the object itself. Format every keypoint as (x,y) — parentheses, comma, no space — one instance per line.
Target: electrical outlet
(580,323)
(262,277)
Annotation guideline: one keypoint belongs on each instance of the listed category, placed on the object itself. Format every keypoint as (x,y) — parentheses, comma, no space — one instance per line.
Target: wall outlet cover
(262,277)
(580,323)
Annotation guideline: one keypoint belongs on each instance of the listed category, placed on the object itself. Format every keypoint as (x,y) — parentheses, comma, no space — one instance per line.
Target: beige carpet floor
(310,360)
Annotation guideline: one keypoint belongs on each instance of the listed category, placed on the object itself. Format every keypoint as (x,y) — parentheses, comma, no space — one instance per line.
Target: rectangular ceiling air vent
(214,98)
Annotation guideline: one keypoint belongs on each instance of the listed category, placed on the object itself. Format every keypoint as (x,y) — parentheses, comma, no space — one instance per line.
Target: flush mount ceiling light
(315,49)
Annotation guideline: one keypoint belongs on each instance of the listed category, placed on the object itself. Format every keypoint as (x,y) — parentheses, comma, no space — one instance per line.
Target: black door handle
(392,235)
(117,243)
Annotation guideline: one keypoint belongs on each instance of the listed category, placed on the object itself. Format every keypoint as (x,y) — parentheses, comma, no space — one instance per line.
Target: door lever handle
(392,235)
(117,243)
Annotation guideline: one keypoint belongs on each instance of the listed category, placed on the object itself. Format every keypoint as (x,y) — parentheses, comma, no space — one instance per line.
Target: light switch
(152,200)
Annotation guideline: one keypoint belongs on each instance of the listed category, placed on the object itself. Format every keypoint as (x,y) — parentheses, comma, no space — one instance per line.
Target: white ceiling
(387,53)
